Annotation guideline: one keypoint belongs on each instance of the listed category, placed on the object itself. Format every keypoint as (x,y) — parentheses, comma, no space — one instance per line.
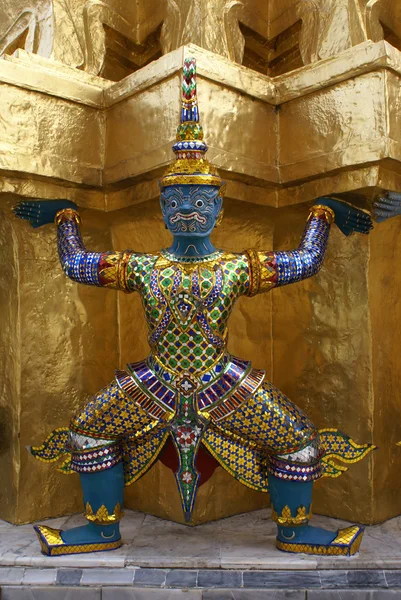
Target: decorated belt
(218,393)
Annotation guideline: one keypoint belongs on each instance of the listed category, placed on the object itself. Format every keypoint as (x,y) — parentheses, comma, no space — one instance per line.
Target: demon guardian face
(190,210)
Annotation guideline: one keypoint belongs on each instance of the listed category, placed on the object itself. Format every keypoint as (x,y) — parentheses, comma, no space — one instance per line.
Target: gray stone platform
(233,559)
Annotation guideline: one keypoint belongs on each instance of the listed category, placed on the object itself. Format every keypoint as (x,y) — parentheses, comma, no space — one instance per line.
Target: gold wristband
(69,214)
(319,210)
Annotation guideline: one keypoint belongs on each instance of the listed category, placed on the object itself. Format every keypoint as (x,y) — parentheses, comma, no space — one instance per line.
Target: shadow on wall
(5,429)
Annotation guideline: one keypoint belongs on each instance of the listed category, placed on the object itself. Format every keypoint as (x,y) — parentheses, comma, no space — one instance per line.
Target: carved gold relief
(113,38)
(330,27)
(86,34)
(383,21)
(211,24)
(27,25)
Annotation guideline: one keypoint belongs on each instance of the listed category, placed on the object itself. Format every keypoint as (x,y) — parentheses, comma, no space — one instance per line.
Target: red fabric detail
(205,463)
(104,264)
(272,263)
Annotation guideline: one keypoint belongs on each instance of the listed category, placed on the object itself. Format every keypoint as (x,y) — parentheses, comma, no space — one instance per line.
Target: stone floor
(233,559)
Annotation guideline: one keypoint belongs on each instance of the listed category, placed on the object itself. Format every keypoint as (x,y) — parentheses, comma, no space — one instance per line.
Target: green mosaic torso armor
(187,306)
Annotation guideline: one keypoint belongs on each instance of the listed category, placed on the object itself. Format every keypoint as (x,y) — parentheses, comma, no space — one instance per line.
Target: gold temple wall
(33,131)
(68,352)
(330,126)
(9,369)
(315,340)
(73,337)
(385,310)
(136,138)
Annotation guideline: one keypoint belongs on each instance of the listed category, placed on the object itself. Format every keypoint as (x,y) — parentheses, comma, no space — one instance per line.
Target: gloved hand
(41,212)
(348,218)
(387,207)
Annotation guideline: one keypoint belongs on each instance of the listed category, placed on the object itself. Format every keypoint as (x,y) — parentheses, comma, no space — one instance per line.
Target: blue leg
(292,506)
(103,494)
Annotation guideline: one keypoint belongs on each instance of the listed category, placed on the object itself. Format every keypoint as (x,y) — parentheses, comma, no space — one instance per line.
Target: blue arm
(78,264)
(307,260)
(103,269)
(271,269)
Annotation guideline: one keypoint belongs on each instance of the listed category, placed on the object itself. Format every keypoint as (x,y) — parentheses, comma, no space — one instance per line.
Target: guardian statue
(189,387)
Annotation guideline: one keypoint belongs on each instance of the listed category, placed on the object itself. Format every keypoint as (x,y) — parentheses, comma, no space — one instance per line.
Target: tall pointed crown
(190,166)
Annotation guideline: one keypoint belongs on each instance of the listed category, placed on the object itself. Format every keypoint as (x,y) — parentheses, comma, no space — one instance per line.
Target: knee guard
(92,455)
(300,465)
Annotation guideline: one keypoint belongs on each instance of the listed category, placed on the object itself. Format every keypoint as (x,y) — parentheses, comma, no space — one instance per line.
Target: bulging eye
(173,203)
(199,203)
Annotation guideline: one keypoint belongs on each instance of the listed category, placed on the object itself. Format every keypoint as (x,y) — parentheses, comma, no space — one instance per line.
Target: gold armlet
(67,214)
(254,272)
(322,211)
(122,272)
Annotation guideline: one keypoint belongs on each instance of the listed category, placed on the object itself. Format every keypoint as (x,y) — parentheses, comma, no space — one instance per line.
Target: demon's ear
(222,190)
(218,204)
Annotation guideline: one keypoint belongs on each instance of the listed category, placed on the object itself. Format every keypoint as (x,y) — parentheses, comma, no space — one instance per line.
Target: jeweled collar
(192,259)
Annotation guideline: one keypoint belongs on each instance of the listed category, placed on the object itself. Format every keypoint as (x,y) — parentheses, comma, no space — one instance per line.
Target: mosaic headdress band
(190,166)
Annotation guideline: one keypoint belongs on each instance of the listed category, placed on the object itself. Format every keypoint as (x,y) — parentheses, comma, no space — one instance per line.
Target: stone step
(126,593)
(232,559)
(28,583)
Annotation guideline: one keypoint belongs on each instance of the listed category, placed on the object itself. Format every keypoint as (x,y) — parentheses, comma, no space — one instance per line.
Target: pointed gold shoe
(52,544)
(346,543)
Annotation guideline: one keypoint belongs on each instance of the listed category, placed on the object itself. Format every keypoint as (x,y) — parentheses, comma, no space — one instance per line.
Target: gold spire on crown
(191,166)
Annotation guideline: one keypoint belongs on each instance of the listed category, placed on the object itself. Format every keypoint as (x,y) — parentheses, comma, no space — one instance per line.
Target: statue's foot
(314,540)
(88,538)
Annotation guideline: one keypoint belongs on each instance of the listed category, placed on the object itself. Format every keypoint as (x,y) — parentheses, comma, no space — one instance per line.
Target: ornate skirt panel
(163,395)
(141,452)
(269,420)
(247,464)
(112,414)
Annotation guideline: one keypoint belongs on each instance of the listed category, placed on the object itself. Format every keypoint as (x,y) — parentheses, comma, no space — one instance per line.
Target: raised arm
(103,269)
(307,259)
(273,269)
